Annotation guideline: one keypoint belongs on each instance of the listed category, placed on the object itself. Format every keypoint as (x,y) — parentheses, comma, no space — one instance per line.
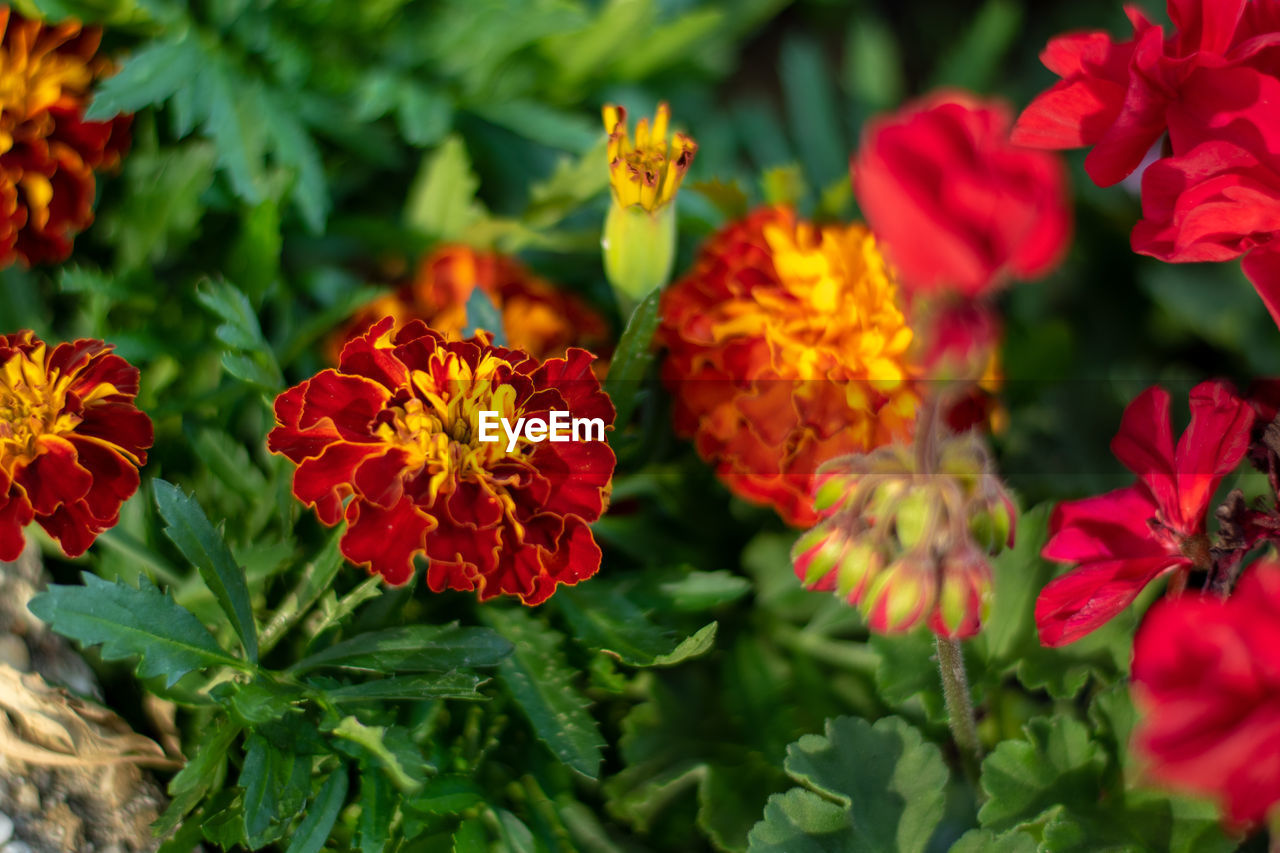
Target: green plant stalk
(955,681)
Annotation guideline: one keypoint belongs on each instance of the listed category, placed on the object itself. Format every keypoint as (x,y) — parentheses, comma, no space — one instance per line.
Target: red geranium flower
(537,317)
(1121,97)
(71,440)
(1125,539)
(48,152)
(1207,680)
(954,202)
(396,428)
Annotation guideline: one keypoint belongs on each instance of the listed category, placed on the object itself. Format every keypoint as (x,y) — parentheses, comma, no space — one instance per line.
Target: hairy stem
(955,689)
(955,682)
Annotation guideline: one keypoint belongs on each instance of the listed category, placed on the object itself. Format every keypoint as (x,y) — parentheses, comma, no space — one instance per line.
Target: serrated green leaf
(447,685)
(251,358)
(149,76)
(188,527)
(1057,764)
(540,680)
(413,648)
(633,356)
(143,623)
(442,200)
(513,834)
(870,788)
(606,620)
(295,150)
(260,788)
(321,815)
(316,579)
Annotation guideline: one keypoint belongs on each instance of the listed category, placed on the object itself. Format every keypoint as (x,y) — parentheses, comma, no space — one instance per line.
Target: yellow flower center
(31,404)
(438,427)
(34,76)
(649,172)
(835,315)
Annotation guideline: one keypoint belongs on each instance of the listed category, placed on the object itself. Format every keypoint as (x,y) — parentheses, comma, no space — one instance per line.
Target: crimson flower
(1121,97)
(1127,538)
(395,432)
(956,204)
(71,440)
(1207,680)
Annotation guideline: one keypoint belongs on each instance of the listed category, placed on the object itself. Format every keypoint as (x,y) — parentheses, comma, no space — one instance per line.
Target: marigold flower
(907,549)
(537,317)
(396,429)
(48,152)
(1127,538)
(955,203)
(647,173)
(786,348)
(71,440)
(1206,681)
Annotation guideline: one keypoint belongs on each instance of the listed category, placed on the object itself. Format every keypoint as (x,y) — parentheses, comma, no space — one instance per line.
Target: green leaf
(986,841)
(446,794)
(541,681)
(606,620)
(975,57)
(150,76)
(873,64)
(695,591)
(413,648)
(868,788)
(296,151)
(423,116)
(482,314)
(188,527)
(1057,764)
(251,358)
(260,787)
(470,837)
(317,578)
(554,128)
(320,817)
(232,111)
(190,784)
(812,111)
(442,200)
(160,213)
(390,747)
(633,356)
(377,806)
(448,685)
(127,622)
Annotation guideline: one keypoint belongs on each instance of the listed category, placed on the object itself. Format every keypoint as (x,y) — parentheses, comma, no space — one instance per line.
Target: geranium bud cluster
(907,546)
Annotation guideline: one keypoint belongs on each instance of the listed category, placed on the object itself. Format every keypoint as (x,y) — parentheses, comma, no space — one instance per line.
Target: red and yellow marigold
(393,432)
(537,317)
(48,152)
(787,347)
(71,440)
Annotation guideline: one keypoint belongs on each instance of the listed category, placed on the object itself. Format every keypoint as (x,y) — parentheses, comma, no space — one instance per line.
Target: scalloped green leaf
(145,623)
(868,788)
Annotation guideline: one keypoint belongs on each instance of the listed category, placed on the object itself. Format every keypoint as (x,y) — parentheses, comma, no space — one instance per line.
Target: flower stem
(955,689)
(955,682)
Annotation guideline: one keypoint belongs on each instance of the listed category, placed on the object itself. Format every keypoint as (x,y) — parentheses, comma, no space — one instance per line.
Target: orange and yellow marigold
(394,433)
(537,317)
(71,440)
(48,152)
(787,347)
